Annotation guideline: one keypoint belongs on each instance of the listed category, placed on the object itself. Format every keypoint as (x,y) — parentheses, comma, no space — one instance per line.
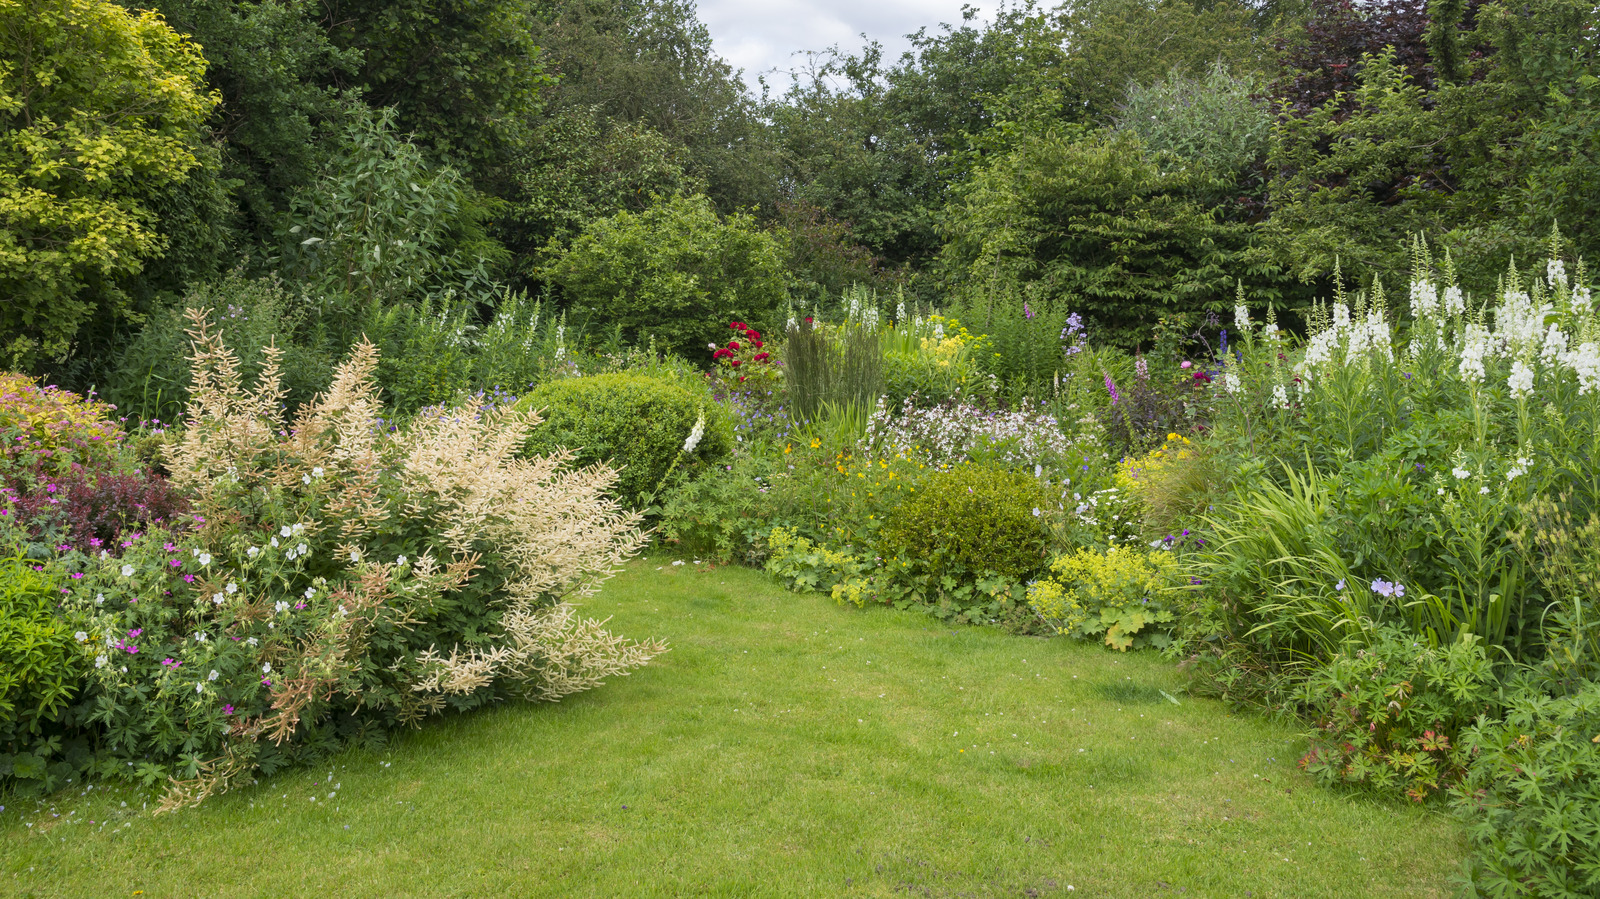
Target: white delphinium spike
(1585,363)
(1555,345)
(1455,302)
(1424,299)
(1241,319)
(1521,380)
(1582,300)
(1474,346)
(1555,274)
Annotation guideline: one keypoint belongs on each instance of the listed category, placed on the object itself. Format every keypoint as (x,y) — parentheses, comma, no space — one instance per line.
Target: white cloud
(765,36)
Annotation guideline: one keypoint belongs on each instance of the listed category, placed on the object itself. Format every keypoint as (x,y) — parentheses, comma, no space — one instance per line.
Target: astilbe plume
(508,539)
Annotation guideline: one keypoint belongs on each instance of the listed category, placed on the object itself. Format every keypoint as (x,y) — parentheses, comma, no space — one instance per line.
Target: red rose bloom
(761,357)
(733,344)
(759,344)
(736,363)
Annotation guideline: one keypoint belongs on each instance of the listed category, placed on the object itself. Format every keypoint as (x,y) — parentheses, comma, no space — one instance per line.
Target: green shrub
(971,519)
(40,672)
(637,423)
(1120,594)
(1391,715)
(676,272)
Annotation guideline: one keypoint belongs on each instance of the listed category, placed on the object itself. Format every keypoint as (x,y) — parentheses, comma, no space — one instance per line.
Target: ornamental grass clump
(340,578)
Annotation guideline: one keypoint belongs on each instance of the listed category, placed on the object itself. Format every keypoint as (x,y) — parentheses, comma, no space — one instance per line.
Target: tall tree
(650,64)
(100,112)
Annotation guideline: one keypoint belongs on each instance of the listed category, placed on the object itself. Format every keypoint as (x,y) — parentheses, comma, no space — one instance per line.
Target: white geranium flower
(266,668)
(127,571)
(81,637)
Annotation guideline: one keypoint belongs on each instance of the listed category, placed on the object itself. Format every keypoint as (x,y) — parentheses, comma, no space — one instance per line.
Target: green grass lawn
(784,747)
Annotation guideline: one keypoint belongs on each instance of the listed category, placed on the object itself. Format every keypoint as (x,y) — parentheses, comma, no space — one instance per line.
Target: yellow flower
(788,448)
(815,443)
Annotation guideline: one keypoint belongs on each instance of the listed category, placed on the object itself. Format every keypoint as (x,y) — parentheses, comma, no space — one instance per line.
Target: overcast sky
(760,35)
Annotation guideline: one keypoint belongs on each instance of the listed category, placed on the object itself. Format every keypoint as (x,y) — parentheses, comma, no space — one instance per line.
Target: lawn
(784,747)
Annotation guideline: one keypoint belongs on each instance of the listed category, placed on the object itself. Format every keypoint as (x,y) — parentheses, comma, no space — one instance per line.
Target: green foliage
(930,360)
(580,167)
(821,253)
(279,78)
(722,515)
(649,66)
(41,672)
(1025,338)
(441,348)
(973,518)
(639,424)
(676,272)
(1113,46)
(1120,594)
(150,374)
(1094,224)
(1392,715)
(1213,121)
(1485,156)
(100,110)
(464,77)
(1532,796)
(957,596)
(807,567)
(380,224)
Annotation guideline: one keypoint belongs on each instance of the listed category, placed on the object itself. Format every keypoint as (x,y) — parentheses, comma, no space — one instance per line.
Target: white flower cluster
(950,433)
(1539,333)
